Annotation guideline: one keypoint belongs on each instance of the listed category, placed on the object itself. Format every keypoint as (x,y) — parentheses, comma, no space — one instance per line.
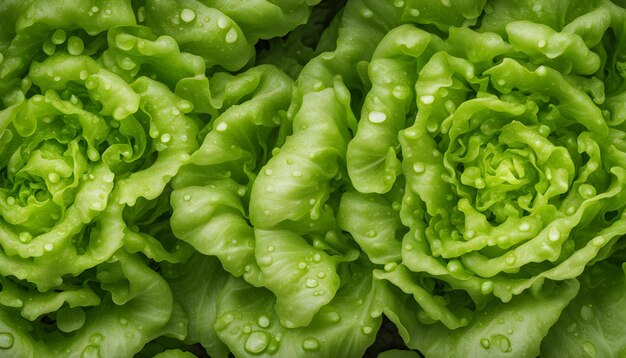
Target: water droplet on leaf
(311,344)
(231,36)
(377,117)
(187,15)
(6,340)
(257,342)
(264,321)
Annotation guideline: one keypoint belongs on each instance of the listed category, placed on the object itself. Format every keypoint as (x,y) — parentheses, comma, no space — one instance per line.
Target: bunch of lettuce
(272,177)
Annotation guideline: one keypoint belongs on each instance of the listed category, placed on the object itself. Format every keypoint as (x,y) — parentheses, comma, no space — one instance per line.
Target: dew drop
(6,340)
(572,327)
(75,46)
(187,197)
(390,266)
(58,37)
(310,344)
(175,111)
(450,106)
(48,247)
(486,287)
(49,48)
(141,14)
(587,191)
(366,13)
(95,9)
(334,316)
(371,233)
(221,127)
(187,15)
(311,283)
(432,126)
(318,86)
(419,168)
(586,313)
(590,349)
(454,266)
(510,260)
(524,227)
(231,36)
(264,321)
(599,241)
(541,71)
(367,330)
(91,351)
(502,343)
(302,265)
(266,261)
(427,99)
(321,275)
(54,177)
(414,12)
(541,43)
(228,318)
(377,117)
(257,342)
(296,174)
(222,22)
(10,200)
(400,92)
(446,3)
(108,177)
(96,338)
(317,257)
(91,83)
(165,138)
(554,234)
(485,343)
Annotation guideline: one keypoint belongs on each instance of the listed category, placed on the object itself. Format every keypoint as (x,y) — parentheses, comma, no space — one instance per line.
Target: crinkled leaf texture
(269,178)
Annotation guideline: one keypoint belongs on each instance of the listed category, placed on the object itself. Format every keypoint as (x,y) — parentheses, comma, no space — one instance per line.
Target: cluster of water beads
(75,45)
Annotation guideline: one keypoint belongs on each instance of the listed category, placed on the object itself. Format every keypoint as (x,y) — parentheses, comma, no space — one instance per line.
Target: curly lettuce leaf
(249,325)
(592,324)
(516,327)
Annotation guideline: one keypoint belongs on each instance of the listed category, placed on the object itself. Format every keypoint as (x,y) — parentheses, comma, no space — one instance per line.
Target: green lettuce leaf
(592,324)
(249,325)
